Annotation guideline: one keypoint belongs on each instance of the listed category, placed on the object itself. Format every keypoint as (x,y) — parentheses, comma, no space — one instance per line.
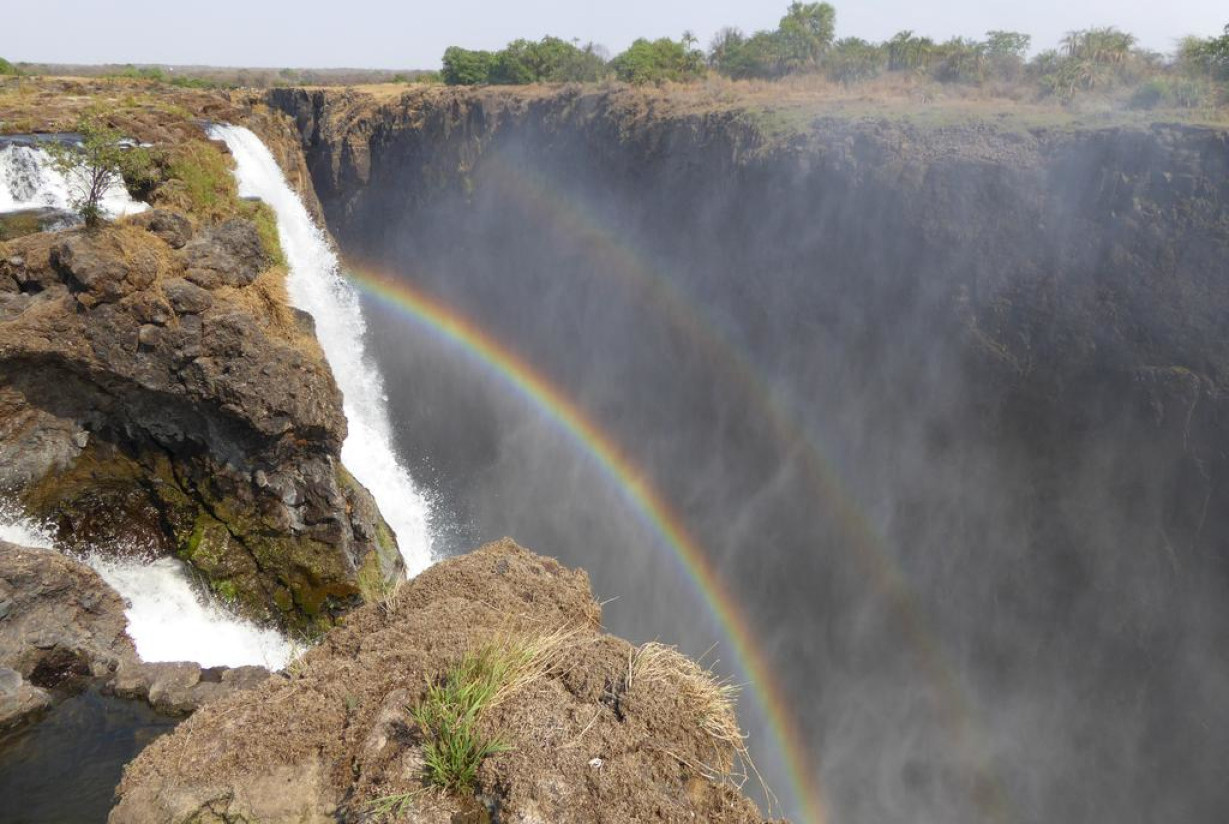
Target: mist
(941,410)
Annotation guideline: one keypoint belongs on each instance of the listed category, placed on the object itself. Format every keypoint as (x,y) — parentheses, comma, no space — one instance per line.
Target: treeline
(805,42)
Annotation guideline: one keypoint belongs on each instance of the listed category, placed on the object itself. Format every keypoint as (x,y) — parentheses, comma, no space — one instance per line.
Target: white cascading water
(167,619)
(317,286)
(29,180)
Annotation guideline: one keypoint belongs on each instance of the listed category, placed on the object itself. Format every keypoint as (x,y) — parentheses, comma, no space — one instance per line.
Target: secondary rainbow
(542,394)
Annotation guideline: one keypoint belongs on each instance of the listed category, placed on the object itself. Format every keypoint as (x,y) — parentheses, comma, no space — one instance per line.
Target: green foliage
(6,67)
(960,60)
(204,178)
(132,72)
(1005,52)
(449,713)
(658,61)
(1089,59)
(464,67)
(735,55)
(550,60)
(1106,45)
(907,51)
(94,165)
(1007,44)
(852,60)
(806,33)
(1207,56)
(1177,92)
(801,40)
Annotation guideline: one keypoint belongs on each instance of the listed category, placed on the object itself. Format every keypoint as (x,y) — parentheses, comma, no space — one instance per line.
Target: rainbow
(446,324)
(654,290)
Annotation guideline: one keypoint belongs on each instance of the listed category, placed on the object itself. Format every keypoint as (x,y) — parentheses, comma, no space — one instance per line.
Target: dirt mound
(590,728)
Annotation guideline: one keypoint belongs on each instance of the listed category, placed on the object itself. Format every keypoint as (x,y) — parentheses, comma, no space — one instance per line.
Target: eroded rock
(138,408)
(324,743)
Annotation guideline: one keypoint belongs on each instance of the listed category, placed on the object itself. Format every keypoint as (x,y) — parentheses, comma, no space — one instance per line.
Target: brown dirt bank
(590,741)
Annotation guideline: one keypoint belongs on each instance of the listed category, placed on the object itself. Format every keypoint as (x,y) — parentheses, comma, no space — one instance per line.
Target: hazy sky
(383,34)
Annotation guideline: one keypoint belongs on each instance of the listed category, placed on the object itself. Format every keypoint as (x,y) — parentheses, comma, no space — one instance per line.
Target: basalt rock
(586,740)
(62,627)
(157,394)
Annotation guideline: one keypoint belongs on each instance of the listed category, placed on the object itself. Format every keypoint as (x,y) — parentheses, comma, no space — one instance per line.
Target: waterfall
(316,285)
(29,180)
(167,619)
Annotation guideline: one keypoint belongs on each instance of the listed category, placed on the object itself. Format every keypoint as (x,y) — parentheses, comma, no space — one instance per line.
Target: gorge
(940,401)
(912,424)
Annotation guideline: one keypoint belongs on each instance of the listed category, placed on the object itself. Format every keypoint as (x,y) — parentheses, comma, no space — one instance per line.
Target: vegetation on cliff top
(1102,60)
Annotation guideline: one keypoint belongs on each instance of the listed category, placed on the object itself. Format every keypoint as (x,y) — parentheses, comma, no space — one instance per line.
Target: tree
(907,51)
(464,67)
(6,67)
(735,55)
(1005,51)
(657,61)
(96,164)
(961,60)
(853,59)
(1198,55)
(806,32)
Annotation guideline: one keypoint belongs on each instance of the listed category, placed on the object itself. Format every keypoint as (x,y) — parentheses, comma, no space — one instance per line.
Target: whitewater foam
(29,180)
(169,619)
(317,286)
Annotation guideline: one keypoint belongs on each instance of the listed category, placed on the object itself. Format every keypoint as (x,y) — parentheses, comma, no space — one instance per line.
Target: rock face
(1002,347)
(585,743)
(62,627)
(158,395)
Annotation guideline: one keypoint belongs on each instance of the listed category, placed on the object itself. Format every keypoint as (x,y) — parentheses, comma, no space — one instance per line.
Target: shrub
(463,67)
(735,55)
(657,61)
(853,60)
(1178,92)
(960,60)
(1005,51)
(6,67)
(94,165)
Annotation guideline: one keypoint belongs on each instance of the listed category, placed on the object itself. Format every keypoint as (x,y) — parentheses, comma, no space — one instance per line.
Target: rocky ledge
(62,627)
(157,394)
(598,731)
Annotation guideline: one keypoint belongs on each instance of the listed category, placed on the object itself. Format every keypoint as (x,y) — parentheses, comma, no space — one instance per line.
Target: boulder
(229,254)
(62,627)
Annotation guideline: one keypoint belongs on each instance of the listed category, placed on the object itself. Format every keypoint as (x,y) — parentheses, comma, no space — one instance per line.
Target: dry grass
(659,667)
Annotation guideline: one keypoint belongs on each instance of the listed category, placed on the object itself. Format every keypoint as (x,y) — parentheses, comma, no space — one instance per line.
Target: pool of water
(64,769)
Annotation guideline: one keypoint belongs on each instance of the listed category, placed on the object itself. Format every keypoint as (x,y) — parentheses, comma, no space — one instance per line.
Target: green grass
(449,713)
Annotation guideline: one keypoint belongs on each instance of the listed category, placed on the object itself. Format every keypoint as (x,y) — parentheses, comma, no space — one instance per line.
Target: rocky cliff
(158,395)
(934,385)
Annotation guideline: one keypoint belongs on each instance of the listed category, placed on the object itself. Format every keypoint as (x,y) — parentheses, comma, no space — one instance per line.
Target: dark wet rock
(136,409)
(230,254)
(63,622)
(63,628)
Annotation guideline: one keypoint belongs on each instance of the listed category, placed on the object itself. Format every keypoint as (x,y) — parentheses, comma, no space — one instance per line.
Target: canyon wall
(944,403)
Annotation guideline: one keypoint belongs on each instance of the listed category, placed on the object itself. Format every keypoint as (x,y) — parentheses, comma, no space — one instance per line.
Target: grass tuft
(450,713)
(655,666)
